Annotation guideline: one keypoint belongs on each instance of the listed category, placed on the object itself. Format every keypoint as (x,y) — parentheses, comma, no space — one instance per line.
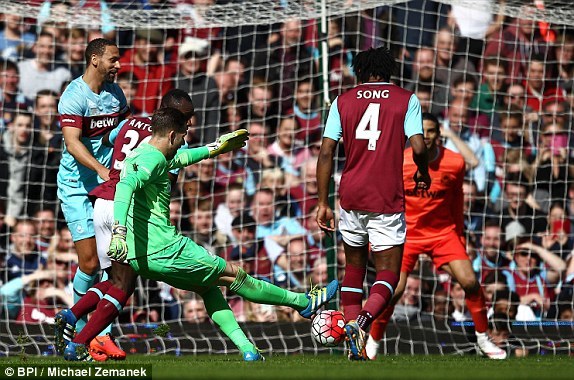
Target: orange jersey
(434,213)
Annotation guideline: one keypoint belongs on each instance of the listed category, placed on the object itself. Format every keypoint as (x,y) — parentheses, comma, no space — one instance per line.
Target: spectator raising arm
(556,266)
(11,292)
(469,157)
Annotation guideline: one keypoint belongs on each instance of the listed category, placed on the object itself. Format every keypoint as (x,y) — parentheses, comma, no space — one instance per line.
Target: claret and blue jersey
(95,114)
(374,120)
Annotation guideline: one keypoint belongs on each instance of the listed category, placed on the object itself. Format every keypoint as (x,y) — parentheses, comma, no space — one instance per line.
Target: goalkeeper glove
(118,247)
(228,142)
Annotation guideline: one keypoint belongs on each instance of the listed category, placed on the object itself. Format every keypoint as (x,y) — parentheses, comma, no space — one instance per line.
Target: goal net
(499,75)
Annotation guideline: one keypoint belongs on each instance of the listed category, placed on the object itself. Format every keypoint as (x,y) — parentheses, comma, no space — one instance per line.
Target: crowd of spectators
(502,87)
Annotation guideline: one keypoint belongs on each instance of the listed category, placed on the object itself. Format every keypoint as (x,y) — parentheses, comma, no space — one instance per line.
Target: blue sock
(82,282)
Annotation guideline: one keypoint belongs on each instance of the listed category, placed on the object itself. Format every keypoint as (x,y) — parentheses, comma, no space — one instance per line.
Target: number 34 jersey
(126,137)
(374,120)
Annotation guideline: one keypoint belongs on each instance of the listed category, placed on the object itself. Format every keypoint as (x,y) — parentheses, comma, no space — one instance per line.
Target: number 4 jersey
(126,137)
(374,120)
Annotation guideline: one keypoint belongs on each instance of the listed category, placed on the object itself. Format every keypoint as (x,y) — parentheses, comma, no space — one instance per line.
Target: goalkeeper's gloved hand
(228,142)
(118,247)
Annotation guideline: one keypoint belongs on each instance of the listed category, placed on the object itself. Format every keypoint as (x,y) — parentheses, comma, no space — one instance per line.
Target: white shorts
(383,231)
(103,222)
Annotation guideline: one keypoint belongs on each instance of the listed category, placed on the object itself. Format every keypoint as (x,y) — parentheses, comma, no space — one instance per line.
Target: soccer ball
(328,328)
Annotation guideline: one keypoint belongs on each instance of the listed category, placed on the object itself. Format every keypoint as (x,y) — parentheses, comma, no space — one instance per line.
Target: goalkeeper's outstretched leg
(259,291)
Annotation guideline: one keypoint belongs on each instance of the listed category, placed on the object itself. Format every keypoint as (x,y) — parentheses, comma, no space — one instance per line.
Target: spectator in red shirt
(517,43)
(538,89)
(292,152)
(462,90)
(146,61)
(491,257)
(306,113)
(553,164)
(248,250)
(511,136)
(529,278)
(306,193)
(11,99)
(260,100)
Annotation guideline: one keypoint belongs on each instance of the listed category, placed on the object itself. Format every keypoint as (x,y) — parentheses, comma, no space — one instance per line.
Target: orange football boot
(104,345)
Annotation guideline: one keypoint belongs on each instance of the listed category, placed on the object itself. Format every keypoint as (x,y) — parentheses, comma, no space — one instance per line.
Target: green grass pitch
(321,367)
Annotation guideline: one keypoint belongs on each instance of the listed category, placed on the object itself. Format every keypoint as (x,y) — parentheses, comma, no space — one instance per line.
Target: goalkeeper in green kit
(156,250)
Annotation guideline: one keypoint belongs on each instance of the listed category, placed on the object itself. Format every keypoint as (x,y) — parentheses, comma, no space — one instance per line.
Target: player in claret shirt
(91,106)
(435,226)
(374,119)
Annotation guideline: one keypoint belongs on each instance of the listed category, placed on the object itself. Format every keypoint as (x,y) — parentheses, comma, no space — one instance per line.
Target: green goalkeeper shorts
(183,265)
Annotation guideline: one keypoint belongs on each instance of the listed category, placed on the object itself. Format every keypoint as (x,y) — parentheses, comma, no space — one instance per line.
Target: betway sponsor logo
(103,123)
(425,193)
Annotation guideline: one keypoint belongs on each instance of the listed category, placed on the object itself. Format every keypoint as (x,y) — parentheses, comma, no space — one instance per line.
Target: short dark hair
(495,61)
(378,63)
(128,77)
(6,64)
(167,119)
(46,92)
(513,112)
(494,277)
(306,79)
(469,78)
(44,33)
(538,57)
(24,113)
(233,58)
(98,47)
(244,221)
(491,222)
(420,87)
(176,98)
(265,190)
(506,294)
(433,118)
(517,179)
(499,322)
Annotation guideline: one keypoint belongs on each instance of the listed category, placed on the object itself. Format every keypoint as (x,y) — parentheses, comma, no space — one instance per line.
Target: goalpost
(239,46)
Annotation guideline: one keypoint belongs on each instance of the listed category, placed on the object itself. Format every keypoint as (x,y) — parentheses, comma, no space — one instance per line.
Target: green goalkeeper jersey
(141,202)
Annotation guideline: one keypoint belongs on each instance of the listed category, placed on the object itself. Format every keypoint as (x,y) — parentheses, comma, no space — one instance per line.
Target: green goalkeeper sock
(258,291)
(220,312)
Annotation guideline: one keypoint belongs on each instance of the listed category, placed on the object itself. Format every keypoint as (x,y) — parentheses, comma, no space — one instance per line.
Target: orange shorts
(442,251)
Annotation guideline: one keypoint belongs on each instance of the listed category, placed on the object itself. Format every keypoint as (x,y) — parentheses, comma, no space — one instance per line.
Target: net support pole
(330,240)
(324,58)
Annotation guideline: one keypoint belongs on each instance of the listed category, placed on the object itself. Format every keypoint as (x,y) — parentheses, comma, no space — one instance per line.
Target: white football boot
(489,349)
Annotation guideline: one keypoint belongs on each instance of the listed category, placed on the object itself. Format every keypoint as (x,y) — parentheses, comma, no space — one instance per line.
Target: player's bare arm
(469,157)
(79,151)
(325,218)
(106,140)
(420,157)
